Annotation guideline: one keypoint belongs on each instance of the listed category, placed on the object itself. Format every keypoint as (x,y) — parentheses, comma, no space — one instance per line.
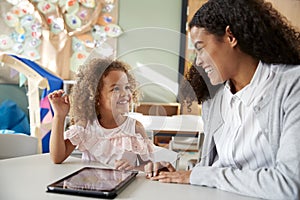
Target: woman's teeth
(208,70)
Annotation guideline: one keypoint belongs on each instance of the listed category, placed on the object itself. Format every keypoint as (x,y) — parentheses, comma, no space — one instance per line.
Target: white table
(26,178)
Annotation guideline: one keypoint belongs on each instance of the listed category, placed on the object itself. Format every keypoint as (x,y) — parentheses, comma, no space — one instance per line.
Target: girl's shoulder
(139,129)
(134,126)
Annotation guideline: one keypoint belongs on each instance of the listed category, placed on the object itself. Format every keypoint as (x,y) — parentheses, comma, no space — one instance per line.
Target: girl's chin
(123,110)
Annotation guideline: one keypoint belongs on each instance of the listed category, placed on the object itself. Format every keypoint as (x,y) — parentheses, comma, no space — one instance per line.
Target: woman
(252,123)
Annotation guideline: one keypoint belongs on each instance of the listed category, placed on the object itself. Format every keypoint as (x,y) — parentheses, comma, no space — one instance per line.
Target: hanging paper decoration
(23,31)
(11,19)
(73,21)
(108,8)
(99,35)
(113,30)
(5,42)
(72,6)
(93,24)
(78,59)
(56,25)
(107,19)
(45,7)
(88,3)
(77,45)
(14,2)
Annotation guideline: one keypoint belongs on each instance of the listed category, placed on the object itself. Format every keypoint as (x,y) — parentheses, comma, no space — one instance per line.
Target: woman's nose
(199,61)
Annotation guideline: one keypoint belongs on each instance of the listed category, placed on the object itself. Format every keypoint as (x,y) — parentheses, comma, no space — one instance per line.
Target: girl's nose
(123,92)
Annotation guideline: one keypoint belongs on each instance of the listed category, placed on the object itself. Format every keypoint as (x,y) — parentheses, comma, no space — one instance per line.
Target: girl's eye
(116,89)
(127,87)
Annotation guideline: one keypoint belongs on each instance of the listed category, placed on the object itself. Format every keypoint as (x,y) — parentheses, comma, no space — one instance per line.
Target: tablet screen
(94,180)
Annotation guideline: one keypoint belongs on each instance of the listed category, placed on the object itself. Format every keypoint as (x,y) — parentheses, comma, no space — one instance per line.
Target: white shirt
(241,143)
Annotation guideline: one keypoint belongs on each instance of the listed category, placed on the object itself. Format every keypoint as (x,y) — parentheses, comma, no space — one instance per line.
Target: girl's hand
(60,103)
(123,164)
(173,177)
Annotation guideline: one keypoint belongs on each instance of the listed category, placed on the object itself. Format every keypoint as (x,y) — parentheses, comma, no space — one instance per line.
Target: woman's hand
(60,103)
(153,169)
(173,177)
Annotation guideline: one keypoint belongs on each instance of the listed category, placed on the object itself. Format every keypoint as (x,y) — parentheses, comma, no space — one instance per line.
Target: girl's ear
(230,37)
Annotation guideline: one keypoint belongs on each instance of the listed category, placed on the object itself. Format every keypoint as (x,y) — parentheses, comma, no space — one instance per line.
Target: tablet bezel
(53,187)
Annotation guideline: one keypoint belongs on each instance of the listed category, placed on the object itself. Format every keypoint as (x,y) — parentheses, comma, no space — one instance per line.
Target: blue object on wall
(55,83)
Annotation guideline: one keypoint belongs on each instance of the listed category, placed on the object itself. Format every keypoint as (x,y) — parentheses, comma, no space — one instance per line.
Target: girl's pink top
(107,145)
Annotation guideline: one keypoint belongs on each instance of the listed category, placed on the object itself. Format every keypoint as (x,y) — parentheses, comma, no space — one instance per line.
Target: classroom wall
(150,44)
(290,9)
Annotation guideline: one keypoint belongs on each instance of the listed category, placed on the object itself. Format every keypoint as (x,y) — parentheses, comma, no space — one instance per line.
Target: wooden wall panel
(290,9)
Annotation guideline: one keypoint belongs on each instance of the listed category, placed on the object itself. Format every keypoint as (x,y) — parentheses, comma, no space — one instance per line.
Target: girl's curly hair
(85,94)
(261,31)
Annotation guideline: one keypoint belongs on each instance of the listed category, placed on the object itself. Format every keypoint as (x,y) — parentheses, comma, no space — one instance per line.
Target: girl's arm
(60,149)
(139,128)
(123,164)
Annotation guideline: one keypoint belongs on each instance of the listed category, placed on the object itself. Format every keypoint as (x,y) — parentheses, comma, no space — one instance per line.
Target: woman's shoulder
(215,96)
(287,75)
(284,69)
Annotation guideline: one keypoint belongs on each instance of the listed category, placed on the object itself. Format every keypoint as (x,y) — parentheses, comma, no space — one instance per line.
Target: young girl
(101,96)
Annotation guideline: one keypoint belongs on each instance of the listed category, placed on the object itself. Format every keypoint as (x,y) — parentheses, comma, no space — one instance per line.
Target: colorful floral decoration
(22,34)
(35,26)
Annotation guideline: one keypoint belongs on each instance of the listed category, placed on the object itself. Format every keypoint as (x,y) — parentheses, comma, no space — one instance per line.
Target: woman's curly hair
(193,87)
(196,86)
(261,31)
(85,94)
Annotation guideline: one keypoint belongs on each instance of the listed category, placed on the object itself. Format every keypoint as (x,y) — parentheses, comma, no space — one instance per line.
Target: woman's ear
(231,39)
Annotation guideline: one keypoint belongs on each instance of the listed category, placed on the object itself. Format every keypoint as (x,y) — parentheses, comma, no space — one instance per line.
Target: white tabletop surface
(27,177)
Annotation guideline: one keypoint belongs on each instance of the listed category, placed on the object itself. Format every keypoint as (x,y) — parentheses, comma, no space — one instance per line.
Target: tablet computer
(94,182)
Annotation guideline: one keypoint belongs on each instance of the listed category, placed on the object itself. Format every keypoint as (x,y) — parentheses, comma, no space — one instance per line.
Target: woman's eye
(198,47)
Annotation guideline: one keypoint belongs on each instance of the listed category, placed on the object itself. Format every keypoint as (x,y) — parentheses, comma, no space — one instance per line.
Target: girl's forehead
(116,76)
